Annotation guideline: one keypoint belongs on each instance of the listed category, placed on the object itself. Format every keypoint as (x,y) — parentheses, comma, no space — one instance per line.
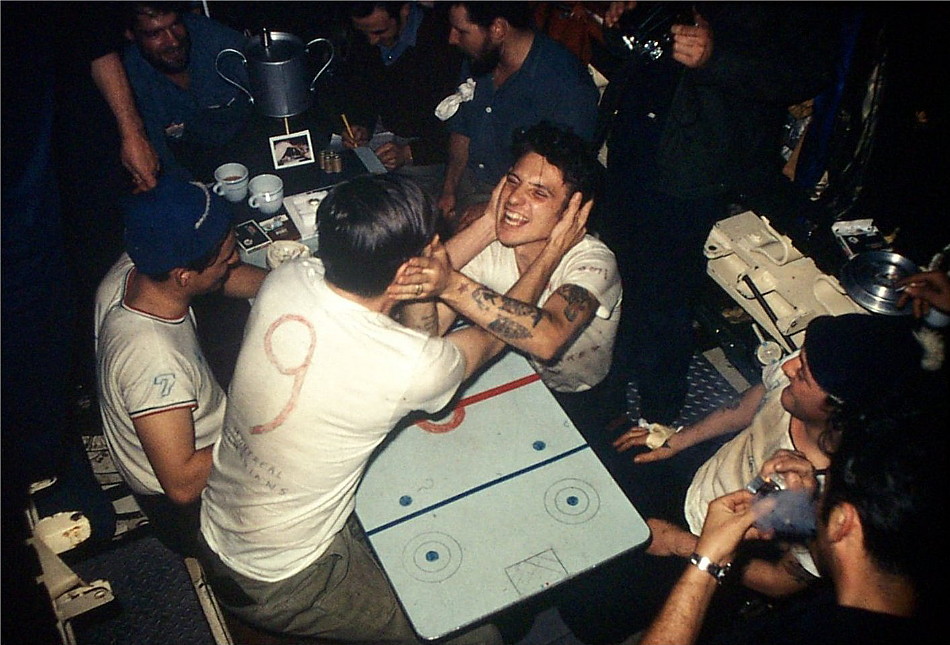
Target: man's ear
(404,13)
(129,35)
(498,29)
(844,523)
(182,277)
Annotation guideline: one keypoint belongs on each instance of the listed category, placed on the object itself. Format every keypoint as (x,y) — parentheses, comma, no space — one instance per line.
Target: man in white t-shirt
(532,276)
(848,362)
(161,406)
(324,374)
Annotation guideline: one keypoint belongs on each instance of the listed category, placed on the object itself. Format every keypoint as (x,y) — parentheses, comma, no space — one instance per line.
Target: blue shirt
(206,115)
(407,36)
(552,84)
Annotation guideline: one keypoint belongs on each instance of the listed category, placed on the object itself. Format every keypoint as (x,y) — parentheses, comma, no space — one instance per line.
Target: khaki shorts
(344,595)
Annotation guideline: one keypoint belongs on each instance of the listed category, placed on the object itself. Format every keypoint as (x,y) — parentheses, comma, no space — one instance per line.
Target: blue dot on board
(405,500)
(539,445)
(432,556)
(572,500)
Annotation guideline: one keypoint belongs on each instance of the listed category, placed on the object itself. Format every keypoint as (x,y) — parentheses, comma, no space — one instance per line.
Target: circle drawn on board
(432,557)
(571,501)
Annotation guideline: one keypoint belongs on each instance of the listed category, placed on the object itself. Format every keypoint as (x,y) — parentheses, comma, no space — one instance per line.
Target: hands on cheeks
(477,212)
(572,226)
(423,277)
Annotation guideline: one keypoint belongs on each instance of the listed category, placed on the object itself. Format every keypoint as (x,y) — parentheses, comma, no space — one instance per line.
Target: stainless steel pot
(870,278)
(276,64)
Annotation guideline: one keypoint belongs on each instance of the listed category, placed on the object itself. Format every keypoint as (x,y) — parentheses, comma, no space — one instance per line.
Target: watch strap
(703,563)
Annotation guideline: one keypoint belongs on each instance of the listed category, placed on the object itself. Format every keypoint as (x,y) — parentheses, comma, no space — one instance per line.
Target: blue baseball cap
(174,224)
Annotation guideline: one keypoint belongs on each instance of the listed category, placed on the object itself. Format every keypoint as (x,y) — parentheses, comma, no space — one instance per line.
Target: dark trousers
(173,525)
(658,241)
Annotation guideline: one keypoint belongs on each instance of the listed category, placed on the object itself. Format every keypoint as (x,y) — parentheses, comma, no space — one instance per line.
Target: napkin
(658,433)
(450,104)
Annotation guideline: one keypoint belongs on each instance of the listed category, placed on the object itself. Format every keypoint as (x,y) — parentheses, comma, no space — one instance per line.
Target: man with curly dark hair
(530,274)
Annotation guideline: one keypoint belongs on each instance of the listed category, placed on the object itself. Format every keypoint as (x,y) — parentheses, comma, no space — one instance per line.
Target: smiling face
(533,199)
(163,40)
(803,397)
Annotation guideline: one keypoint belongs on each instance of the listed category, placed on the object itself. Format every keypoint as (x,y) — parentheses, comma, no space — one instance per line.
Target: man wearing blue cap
(160,403)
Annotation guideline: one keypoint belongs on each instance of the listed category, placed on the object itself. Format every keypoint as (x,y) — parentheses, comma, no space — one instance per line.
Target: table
(252,148)
(496,502)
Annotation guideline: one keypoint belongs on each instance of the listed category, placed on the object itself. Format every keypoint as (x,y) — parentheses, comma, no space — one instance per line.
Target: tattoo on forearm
(507,329)
(488,299)
(578,301)
(429,324)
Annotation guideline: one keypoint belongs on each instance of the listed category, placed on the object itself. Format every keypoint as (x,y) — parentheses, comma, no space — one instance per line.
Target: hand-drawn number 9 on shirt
(298,372)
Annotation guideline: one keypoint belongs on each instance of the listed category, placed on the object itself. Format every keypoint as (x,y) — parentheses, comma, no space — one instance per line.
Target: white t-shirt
(739,460)
(320,381)
(146,365)
(589,265)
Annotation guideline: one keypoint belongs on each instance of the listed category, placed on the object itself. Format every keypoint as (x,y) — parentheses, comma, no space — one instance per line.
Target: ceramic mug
(230,181)
(267,193)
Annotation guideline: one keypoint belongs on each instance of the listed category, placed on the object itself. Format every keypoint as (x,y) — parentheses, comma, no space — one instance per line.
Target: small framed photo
(293,149)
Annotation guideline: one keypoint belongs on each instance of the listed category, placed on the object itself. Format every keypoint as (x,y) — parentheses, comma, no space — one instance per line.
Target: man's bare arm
(244,281)
(168,439)
(458,158)
(138,155)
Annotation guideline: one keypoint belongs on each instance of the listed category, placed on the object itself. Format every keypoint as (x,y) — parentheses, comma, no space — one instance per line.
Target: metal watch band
(703,563)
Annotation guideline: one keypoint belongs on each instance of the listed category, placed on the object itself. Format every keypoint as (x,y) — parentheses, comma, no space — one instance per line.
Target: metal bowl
(871,278)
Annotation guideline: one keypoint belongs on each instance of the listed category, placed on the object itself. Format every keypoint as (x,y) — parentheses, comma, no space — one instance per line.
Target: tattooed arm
(542,332)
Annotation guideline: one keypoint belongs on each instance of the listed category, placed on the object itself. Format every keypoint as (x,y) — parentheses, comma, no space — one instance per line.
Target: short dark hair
(890,466)
(518,14)
(132,10)
(364,9)
(563,149)
(368,227)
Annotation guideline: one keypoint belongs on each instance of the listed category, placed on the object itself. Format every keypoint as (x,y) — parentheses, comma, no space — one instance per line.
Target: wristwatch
(703,563)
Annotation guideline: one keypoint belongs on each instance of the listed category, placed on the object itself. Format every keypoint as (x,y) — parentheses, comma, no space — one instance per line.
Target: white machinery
(770,279)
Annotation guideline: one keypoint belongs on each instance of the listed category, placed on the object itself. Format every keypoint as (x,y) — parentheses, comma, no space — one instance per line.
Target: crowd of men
(488,213)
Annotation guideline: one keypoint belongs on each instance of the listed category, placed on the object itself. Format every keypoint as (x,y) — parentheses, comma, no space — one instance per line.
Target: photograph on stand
(289,150)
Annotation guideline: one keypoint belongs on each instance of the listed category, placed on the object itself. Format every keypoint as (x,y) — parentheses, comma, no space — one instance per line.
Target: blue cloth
(212,110)
(551,85)
(407,37)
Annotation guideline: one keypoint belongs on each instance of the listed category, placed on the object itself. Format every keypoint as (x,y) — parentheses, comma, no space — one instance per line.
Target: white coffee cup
(267,193)
(230,181)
